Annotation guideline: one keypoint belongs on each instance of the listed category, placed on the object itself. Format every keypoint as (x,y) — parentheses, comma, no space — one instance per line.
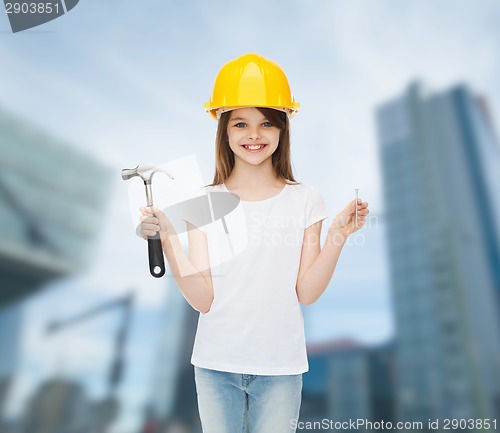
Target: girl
(249,353)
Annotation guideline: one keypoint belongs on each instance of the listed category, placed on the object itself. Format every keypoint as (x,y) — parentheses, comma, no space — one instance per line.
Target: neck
(255,176)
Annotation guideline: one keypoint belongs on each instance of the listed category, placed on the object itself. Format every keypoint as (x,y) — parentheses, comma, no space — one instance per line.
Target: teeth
(258,146)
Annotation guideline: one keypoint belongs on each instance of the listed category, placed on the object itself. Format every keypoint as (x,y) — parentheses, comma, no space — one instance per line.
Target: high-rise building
(168,356)
(320,389)
(347,382)
(10,333)
(58,405)
(51,203)
(173,394)
(441,169)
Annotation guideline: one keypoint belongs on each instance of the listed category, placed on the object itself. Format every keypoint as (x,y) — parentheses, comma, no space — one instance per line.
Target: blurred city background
(398,99)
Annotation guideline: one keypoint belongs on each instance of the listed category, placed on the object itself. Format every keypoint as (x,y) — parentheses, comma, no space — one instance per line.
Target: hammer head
(144,171)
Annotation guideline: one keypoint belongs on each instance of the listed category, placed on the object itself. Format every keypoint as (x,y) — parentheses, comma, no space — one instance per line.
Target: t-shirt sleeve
(315,207)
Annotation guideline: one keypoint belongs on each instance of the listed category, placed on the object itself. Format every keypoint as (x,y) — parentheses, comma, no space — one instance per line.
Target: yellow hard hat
(251,81)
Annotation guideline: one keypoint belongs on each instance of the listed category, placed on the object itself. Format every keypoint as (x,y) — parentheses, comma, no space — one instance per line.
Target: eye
(267,124)
(240,125)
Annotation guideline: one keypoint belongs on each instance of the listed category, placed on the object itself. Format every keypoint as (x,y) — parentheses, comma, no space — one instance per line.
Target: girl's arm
(317,265)
(192,274)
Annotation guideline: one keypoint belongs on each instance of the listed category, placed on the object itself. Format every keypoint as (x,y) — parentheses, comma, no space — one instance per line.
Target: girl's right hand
(153,220)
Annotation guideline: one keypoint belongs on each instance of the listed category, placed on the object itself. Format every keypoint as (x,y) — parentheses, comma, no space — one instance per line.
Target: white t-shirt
(255,323)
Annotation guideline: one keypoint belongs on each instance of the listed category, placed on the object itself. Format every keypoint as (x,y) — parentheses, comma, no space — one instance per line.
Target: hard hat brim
(216,112)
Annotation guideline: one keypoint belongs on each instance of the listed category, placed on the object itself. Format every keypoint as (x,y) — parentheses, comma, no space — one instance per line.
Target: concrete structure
(58,405)
(51,203)
(10,333)
(441,168)
(173,392)
(348,381)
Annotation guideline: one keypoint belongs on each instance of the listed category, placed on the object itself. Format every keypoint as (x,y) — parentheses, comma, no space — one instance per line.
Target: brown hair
(224,156)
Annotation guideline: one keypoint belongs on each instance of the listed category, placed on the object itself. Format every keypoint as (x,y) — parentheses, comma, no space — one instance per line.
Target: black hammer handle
(156,261)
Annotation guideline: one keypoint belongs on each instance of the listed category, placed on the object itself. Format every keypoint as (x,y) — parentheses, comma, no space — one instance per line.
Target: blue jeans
(239,403)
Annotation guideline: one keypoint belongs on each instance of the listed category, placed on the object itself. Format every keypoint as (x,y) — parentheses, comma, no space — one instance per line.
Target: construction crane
(106,410)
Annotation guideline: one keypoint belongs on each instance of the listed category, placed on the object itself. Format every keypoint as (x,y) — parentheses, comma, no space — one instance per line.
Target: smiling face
(252,138)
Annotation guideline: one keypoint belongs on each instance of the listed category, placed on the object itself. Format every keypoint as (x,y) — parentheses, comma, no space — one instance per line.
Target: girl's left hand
(345,224)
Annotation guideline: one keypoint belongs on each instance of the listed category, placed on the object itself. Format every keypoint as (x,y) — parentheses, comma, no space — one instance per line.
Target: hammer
(155,250)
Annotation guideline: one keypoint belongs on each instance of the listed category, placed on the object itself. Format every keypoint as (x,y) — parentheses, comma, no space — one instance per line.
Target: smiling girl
(250,352)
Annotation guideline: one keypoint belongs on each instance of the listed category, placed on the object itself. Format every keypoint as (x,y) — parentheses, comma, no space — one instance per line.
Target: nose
(254,133)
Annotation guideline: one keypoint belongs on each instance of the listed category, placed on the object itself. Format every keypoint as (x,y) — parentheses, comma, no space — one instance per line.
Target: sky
(126,81)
